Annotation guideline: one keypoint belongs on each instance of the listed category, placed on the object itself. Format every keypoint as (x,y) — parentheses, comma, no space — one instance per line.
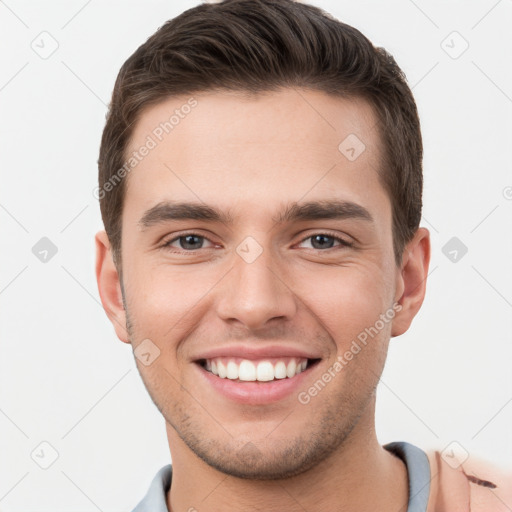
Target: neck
(360,475)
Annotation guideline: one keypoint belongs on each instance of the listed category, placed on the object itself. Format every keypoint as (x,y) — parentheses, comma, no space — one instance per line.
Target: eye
(187,242)
(321,241)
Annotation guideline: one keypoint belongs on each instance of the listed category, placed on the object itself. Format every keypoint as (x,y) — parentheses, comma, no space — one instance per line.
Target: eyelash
(342,242)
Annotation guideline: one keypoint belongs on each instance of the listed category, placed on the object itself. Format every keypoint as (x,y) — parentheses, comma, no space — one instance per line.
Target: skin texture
(250,157)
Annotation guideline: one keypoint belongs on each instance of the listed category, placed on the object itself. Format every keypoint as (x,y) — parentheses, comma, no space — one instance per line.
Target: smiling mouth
(263,370)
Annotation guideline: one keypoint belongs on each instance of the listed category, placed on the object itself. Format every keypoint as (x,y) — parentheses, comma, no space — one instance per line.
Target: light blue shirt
(418,472)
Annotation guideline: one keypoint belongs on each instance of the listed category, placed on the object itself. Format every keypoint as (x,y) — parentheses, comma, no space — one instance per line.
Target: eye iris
(191,240)
(323,241)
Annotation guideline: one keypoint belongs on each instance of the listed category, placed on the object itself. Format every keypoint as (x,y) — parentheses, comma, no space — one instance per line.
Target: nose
(254,293)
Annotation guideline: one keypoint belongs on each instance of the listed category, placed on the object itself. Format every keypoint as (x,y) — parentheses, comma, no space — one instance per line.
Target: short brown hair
(264,45)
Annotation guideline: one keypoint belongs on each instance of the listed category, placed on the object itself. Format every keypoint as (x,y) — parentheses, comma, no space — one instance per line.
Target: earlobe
(109,286)
(412,280)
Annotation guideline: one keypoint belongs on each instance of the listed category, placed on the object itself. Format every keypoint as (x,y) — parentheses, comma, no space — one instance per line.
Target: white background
(67,380)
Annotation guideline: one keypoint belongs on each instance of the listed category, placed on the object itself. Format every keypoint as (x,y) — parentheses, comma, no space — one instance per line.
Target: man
(260,181)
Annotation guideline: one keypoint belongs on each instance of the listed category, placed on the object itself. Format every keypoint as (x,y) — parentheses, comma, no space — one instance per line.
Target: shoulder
(490,486)
(470,482)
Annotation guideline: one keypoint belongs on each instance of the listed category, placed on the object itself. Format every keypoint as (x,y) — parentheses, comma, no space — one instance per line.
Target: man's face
(270,282)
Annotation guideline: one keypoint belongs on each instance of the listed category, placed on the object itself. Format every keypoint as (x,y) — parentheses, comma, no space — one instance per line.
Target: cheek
(164,300)
(349,303)
(351,310)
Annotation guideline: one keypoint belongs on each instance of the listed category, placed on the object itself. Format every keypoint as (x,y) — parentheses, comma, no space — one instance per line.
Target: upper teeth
(263,370)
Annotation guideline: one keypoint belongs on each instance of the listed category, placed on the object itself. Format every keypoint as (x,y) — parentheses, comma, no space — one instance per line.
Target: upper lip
(252,352)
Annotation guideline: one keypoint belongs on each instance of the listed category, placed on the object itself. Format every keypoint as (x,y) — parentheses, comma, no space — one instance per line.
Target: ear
(411,280)
(109,286)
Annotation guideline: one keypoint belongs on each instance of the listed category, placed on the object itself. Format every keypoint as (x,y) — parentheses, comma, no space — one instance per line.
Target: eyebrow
(170,210)
(311,210)
(325,209)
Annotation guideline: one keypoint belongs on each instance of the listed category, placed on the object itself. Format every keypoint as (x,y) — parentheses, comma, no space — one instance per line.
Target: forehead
(232,147)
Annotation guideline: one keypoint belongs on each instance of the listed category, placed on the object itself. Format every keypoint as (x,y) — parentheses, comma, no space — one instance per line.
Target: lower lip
(255,392)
